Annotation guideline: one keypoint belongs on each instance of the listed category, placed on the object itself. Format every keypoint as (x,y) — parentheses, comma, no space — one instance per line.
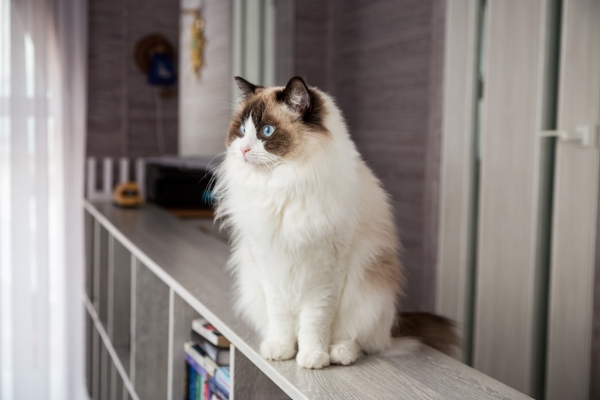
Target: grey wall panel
(382,60)
(151,335)
(285,27)
(121,304)
(313,42)
(121,105)
(381,77)
(96,346)
(105,374)
(89,342)
(595,356)
(89,255)
(433,148)
(102,296)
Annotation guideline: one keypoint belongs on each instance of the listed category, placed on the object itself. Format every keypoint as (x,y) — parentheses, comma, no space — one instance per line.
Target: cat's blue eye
(243,130)
(268,130)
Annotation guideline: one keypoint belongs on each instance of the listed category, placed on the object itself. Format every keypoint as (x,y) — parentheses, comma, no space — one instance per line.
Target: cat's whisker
(213,177)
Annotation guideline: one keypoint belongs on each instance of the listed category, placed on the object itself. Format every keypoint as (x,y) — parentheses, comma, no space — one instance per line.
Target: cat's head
(274,125)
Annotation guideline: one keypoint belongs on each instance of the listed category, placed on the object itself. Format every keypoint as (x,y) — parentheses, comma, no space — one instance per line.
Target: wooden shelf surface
(192,263)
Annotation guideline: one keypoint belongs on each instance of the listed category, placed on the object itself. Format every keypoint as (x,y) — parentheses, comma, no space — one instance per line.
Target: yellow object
(127,194)
(197,41)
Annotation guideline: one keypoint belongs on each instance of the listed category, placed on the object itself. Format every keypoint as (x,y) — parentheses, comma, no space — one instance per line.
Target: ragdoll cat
(314,246)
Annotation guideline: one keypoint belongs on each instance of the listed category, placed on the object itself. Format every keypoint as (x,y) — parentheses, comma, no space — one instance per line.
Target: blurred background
(479,116)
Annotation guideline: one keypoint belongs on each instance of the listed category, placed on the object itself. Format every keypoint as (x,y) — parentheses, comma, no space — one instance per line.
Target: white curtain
(42,136)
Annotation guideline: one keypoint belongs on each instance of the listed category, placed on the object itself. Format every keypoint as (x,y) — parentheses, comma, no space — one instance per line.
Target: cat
(314,246)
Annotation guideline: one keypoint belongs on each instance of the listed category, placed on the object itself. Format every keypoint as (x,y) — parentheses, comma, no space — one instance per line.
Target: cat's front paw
(312,359)
(344,353)
(272,350)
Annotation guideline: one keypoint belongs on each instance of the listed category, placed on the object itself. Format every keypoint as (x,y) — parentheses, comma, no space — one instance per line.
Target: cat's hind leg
(363,322)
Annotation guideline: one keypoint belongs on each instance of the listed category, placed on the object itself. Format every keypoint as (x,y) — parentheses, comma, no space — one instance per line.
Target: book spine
(198,368)
(191,383)
(202,356)
(222,380)
(216,389)
(198,387)
(206,390)
(204,363)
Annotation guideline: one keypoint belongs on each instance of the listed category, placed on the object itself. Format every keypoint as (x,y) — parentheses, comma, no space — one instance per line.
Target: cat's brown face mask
(276,124)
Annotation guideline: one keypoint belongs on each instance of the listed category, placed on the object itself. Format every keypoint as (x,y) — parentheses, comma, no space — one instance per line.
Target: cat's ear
(296,95)
(246,87)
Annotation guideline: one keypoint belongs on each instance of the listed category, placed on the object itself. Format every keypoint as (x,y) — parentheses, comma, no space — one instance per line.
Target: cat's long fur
(314,246)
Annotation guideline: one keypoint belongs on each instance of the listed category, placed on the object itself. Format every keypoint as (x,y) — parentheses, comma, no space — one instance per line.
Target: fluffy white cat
(314,246)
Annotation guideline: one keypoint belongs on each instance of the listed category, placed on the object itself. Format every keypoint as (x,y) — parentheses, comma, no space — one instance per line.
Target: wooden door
(575,205)
(512,192)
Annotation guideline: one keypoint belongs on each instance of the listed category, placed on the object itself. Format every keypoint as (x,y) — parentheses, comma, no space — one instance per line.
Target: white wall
(205,105)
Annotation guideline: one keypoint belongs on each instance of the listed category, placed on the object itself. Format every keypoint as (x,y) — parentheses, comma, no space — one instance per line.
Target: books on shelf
(217,392)
(217,354)
(208,368)
(196,353)
(208,332)
(223,378)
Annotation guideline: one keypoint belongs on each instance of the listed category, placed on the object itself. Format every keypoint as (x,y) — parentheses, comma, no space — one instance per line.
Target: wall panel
(509,265)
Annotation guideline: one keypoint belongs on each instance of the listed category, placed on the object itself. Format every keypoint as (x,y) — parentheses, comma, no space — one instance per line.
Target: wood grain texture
(285,28)
(121,105)
(96,343)
(595,353)
(251,383)
(89,366)
(312,42)
(433,146)
(192,263)
(457,195)
(103,277)
(151,334)
(183,315)
(575,206)
(382,61)
(105,374)
(121,311)
(89,254)
(381,73)
(508,261)
(205,105)
(117,387)
(102,335)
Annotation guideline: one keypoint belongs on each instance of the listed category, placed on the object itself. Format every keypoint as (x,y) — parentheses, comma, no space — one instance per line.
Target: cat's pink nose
(244,151)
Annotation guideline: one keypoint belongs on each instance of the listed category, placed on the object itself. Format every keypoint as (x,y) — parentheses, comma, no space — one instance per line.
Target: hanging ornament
(197,41)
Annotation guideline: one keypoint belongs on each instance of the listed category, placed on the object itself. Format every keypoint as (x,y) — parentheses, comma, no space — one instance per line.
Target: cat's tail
(433,330)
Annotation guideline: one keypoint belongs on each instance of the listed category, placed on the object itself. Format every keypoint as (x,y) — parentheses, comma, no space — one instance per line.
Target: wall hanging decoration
(197,41)
(154,55)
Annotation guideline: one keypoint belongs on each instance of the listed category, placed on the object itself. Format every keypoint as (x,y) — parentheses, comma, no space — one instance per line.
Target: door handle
(585,136)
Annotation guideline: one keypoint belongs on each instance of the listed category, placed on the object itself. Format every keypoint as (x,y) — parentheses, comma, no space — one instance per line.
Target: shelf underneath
(192,263)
